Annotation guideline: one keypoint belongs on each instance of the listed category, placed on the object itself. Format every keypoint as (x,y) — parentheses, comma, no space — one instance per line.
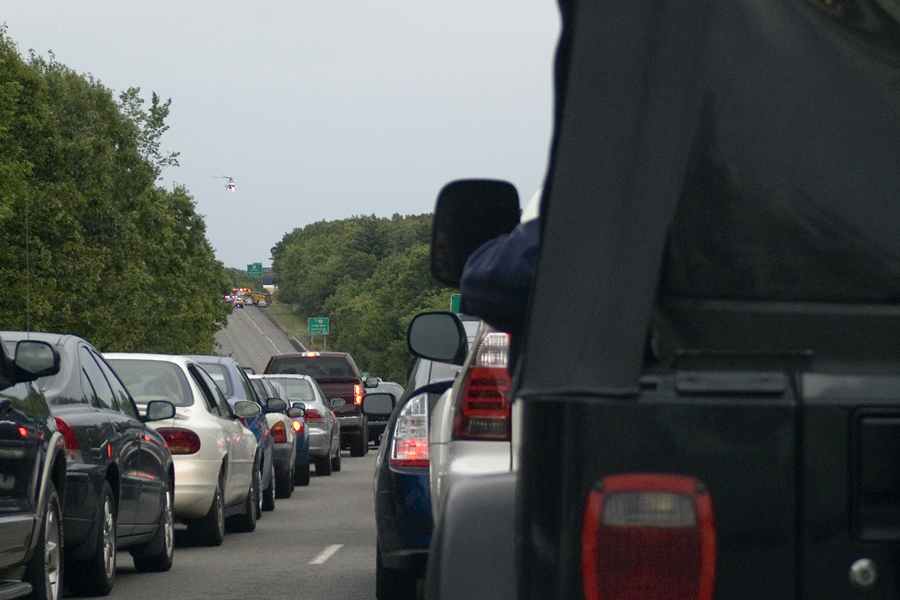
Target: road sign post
(319,326)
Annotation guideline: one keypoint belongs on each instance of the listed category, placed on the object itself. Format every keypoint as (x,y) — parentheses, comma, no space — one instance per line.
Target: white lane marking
(325,554)
(261,332)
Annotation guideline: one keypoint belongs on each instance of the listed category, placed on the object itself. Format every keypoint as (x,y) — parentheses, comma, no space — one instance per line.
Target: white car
(216,476)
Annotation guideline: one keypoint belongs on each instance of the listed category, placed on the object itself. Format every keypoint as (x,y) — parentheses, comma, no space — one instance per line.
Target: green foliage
(88,243)
(369,276)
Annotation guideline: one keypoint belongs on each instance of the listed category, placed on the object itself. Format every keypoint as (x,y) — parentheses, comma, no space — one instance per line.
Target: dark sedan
(120,477)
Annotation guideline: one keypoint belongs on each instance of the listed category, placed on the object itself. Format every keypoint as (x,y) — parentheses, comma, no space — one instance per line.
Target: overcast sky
(319,110)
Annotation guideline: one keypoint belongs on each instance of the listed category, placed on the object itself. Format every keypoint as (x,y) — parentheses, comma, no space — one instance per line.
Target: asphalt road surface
(252,338)
(317,545)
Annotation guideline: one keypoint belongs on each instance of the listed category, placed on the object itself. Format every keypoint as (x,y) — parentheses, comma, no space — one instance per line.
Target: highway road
(251,338)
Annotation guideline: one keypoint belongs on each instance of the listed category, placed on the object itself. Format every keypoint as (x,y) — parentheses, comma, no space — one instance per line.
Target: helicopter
(229,185)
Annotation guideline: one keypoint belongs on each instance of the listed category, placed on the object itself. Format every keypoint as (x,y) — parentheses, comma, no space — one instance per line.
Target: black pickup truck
(712,344)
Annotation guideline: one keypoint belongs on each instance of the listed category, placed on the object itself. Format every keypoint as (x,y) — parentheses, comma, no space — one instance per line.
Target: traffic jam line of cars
(102,452)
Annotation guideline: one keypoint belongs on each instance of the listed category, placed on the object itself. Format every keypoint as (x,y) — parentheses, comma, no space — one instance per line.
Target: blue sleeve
(497,278)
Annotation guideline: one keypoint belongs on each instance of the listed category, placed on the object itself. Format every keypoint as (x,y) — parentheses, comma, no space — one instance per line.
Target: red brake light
(68,434)
(357,394)
(180,441)
(279,433)
(648,536)
(313,416)
(297,425)
(410,444)
(484,410)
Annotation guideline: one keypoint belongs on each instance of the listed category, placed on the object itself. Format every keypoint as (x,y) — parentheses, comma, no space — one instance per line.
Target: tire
(393,584)
(336,461)
(268,498)
(158,555)
(209,530)
(45,569)
(301,474)
(97,575)
(359,444)
(284,486)
(246,522)
(323,466)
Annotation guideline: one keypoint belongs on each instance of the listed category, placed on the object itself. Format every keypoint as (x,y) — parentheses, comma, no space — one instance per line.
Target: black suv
(32,476)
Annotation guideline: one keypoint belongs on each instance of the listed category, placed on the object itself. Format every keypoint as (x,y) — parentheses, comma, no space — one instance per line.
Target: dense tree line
(369,276)
(90,244)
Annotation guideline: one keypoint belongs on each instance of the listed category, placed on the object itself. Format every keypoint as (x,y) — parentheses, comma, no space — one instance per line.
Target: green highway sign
(255,270)
(318,326)
(455,303)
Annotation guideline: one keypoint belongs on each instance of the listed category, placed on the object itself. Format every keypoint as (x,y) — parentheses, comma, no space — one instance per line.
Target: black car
(32,477)
(120,477)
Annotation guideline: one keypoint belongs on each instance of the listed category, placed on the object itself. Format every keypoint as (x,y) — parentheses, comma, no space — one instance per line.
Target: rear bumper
(403,518)
(196,486)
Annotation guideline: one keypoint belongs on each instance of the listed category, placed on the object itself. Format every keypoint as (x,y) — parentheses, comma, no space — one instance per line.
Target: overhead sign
(255,270)
(318,326)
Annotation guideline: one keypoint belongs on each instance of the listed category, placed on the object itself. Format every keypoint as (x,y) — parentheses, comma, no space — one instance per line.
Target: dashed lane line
(325,554)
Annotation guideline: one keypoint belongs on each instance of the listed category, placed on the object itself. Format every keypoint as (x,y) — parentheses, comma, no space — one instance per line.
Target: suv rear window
(317,367)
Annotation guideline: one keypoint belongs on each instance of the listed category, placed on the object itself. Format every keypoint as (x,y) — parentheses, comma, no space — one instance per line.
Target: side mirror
(371,382)
(158,410)
(378,405)
(437,336)
(245,409)
(299,405)
(468,213)
(274,405)
(296,413)
(35,359)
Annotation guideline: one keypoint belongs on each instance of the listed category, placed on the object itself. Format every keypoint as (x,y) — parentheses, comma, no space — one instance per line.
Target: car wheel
(44,570)
(359,445)
(96,576)
(393,584)
(246,522)
(336,461)
(323,466)
(209,530)
(301,475)
(284,486)
(157,556)
(268,502)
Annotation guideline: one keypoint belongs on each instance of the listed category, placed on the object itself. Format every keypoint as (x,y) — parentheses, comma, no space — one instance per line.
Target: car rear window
(317,367)
(148,380)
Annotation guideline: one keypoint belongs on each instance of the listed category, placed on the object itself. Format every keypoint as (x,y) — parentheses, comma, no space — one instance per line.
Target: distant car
(33,476)
(377,423)
(343,385)
(403,518)
(324,428)
(119,477)
(291,436)
(262,304)
(239,303)
(236,386)
(215,456)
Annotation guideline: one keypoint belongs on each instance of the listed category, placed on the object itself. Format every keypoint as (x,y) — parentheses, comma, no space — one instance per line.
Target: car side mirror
(378,405)
(469,212)
(35,359)
(437,336)
(299,405)
(274,405)
(296,413)
(245,409)
(159,410)
(371,382)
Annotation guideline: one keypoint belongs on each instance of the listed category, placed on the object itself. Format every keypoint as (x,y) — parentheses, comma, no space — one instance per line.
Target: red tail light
(313,416)
(279,433)
(484,410)
(180,441)
(648,536)
(72,444)
(357,394)
(297,425)
(410,444)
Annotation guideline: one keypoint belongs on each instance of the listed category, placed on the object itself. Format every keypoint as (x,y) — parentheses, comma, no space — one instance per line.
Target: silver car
(324,428)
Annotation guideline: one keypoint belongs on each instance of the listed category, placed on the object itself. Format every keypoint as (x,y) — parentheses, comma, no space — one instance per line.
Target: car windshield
(148,380)
(318,367)
(219,374)
(298,390)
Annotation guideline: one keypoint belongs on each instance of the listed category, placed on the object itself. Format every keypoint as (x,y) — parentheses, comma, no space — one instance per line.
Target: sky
(319,110)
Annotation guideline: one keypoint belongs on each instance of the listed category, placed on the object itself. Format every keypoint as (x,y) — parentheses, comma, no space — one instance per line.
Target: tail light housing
(483,412)
(279,433)
(68,433)
(648,536)
(312,416)
(180,441)
(357,394)
(297,424)
(409,447)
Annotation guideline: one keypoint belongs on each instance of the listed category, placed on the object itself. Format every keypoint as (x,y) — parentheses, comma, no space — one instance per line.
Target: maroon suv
(343,386)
